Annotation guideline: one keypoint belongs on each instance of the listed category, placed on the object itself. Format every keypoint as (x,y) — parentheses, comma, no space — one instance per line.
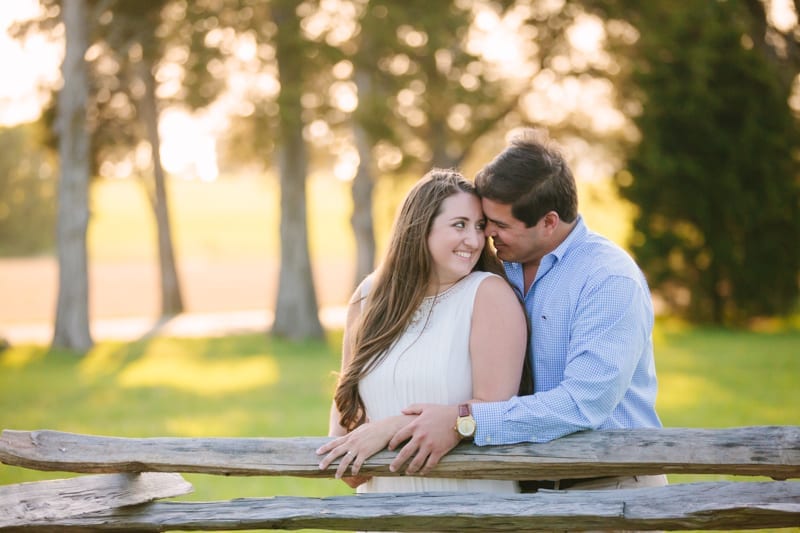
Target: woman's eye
(460,224)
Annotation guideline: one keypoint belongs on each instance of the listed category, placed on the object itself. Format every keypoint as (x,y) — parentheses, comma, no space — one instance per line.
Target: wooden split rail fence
(129,474)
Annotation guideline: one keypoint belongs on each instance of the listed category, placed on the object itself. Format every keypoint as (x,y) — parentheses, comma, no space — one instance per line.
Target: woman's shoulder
(489,279)
(494,288)
(361,292)
(478,276)
(485,287)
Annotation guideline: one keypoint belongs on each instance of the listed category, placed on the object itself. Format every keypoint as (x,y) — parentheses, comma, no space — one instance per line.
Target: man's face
(512,240)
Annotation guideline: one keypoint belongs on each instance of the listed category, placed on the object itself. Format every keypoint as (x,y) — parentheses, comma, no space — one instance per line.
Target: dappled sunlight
(103,359)
(191,373)
(20,356)
(228,423)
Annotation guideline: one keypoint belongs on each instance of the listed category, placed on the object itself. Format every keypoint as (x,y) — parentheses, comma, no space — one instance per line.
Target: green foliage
(422,50)
(715,175)
(27,193)
(134,37)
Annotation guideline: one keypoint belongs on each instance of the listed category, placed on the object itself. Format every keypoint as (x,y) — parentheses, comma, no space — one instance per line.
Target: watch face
(466,426)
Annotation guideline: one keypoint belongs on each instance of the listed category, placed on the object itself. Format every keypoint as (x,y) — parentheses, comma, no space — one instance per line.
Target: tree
(72,310)
(427,89)
(131,36)
(136,37)
(27,192)
(714,174)
(419,90)
(296,311)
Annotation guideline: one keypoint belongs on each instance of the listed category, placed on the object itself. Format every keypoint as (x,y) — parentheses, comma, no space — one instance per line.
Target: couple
(436,339)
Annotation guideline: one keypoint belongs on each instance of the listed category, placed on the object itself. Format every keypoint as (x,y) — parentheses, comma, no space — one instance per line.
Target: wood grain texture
(58,499)
(772,451)
(742,505)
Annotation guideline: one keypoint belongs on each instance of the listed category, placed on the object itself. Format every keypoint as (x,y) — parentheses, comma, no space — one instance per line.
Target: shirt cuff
(488,418)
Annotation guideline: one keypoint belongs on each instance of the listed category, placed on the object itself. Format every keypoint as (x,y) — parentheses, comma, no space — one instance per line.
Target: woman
(432,324)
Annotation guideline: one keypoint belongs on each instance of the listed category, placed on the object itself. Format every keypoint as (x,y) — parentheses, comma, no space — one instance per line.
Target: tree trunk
(437,141)
(72,310)
(171,299)
(361,190)
(296,312)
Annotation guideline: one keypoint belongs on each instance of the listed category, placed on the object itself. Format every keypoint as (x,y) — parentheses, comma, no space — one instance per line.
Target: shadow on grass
(244,385)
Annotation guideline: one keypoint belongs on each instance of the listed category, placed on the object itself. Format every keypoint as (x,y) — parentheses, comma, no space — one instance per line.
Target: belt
(533,485)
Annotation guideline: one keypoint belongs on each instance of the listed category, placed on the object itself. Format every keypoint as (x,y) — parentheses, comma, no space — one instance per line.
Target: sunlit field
(240,217)
(226,239)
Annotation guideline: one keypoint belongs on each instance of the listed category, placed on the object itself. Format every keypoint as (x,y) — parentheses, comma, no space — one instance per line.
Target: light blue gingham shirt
(591,341)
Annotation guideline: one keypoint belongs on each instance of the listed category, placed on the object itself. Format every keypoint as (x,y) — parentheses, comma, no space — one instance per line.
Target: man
(590,316)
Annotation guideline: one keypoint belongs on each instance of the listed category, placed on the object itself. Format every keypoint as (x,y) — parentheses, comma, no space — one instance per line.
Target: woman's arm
(355,447)
(498,341)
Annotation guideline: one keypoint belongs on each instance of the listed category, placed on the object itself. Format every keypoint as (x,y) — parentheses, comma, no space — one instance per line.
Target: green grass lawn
(240,386)
(252,385)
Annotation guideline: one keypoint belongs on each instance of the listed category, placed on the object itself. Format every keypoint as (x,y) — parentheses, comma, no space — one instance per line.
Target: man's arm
(610,330)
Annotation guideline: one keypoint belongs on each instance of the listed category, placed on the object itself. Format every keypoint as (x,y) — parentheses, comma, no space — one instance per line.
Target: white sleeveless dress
(429,363)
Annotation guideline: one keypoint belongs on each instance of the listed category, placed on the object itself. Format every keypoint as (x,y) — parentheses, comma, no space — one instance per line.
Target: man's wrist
(465,422)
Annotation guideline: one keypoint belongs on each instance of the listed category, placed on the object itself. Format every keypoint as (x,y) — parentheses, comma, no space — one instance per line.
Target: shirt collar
(577,234)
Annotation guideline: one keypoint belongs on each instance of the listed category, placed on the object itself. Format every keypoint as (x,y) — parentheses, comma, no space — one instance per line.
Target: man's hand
(431,436)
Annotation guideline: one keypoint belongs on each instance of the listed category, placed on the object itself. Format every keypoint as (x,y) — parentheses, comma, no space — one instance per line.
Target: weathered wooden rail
(121,499)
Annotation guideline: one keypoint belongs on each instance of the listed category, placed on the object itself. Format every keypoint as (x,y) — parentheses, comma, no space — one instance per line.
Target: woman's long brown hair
(399,285)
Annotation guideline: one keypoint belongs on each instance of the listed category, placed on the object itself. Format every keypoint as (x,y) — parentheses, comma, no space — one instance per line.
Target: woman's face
(456,239)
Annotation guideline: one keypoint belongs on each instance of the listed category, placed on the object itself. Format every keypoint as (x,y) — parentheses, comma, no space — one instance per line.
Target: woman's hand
(359,445)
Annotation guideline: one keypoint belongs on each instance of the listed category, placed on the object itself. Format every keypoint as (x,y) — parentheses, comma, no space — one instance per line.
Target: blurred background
(190,190)
(165,157)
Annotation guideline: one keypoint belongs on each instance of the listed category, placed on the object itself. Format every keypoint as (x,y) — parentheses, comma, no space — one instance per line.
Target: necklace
(426,307)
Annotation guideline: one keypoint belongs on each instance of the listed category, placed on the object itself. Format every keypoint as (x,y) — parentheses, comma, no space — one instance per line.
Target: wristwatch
(465,423)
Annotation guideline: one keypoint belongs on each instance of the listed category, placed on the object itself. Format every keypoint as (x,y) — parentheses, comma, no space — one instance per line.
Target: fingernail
(320,466)
(392,469)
